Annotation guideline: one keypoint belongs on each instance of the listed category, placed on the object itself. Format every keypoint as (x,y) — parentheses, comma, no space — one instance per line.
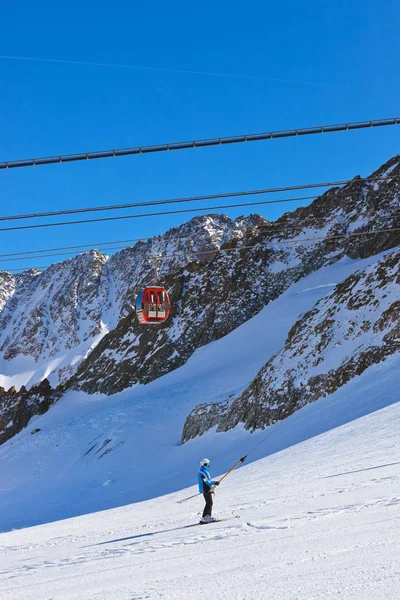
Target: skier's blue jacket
(204,480)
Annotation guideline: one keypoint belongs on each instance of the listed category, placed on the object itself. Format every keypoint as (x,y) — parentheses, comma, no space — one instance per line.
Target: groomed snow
(319,520)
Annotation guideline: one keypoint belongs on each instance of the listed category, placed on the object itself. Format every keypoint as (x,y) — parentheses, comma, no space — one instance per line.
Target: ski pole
(214,486)
(189,498)
(230,471)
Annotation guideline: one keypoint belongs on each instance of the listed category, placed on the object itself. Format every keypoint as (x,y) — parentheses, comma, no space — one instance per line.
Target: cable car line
(163,213)
(86,63)
(202,143)
(156,214)
(295,241)
(95,245)
(91,246)
(15,257)
(197,198)
(56,254)
(289,225)
(140,204)
(258,245)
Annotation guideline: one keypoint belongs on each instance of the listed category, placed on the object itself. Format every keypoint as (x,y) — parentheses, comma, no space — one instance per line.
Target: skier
(205,485)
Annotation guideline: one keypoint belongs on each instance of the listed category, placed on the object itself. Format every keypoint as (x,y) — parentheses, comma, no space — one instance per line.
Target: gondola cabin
(153,306)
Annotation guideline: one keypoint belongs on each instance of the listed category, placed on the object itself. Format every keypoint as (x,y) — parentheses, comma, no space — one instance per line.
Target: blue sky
(284,65)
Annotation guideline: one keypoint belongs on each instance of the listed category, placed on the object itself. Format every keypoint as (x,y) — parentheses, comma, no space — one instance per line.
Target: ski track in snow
(318,520)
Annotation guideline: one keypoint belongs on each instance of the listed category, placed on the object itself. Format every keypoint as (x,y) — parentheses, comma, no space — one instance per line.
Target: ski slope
(319,500)
(320,519)
(96,452)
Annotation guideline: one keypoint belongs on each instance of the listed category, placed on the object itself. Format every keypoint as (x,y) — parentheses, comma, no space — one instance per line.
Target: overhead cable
(266,243)
(112,207)
(295,241)
(94,245)
(202,143)
(156,214)
(262,228)
(163,70)
(162,213)
(2,260)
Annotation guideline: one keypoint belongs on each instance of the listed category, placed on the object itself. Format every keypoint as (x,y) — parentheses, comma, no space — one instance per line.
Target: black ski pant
(208,497)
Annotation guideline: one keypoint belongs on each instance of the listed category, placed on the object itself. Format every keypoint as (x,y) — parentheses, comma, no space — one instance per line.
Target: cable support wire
(2,260)
(238,194)
(157,214)
(266,244)
(202,143)
(296,241)
(95,245)
(14,257)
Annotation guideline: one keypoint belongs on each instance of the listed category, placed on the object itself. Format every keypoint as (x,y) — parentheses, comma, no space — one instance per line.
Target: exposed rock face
(17,408)
(52,312)
(7,288)
(356,326)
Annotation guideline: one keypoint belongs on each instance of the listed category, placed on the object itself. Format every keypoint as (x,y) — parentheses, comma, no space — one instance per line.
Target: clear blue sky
(300,64)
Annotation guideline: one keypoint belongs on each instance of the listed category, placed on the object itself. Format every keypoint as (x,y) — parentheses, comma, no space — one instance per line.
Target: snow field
(318,520)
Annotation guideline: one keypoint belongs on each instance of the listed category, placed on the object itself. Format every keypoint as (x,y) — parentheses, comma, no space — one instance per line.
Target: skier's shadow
(141,535)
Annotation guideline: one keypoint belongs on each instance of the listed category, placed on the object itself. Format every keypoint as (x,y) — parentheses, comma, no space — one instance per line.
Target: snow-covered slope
(95,452)
(320,520)
(355,326)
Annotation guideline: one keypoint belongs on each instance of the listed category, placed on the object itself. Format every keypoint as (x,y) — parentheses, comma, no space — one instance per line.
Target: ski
(218,520)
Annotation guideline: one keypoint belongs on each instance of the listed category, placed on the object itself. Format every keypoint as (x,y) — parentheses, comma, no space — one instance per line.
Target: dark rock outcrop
(17,408)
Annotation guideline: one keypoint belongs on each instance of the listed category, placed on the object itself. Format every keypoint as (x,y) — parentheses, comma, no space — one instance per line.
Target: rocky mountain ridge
(356,326)
(17,408)
(75,325)
(212,298)
(49,321)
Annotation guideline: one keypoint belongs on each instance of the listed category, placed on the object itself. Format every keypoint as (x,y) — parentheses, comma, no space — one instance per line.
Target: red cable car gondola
(153,303)
(153,306)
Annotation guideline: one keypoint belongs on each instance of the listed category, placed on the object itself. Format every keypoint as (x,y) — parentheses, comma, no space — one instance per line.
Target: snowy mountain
(50,321)
(346,332)
(74,324)
(214,297)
